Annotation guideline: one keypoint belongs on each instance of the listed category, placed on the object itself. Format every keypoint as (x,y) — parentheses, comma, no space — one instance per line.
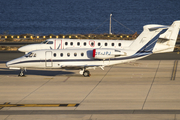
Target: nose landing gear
(21,74)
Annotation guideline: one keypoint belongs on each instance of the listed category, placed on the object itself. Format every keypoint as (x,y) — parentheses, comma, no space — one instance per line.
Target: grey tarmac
(137,90)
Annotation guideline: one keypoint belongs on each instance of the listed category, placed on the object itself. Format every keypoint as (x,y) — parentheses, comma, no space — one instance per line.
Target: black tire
(21,74)
(86,73)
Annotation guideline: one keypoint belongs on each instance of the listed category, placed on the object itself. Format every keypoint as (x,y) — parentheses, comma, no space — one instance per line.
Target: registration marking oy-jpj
(38,105)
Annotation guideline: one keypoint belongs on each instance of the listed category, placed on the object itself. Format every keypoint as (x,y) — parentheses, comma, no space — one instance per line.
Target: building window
(112,44)
(61,54)
(54,54)
(84,43)
(66,43)
(105,44)
(68,54)
(71,43)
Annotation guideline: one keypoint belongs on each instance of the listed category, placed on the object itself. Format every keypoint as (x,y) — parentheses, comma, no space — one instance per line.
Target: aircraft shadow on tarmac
(5,71)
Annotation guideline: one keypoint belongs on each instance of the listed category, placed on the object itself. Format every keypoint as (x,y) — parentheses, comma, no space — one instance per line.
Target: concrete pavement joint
(91,112)
(66,79)
(35,90)
(91,117)
(151,85)
(175,117)
(173,76)
(95,86)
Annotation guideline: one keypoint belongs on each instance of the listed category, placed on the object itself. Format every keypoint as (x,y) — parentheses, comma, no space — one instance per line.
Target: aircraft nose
(13,63)
(28,48)
(8,64)
(23,49)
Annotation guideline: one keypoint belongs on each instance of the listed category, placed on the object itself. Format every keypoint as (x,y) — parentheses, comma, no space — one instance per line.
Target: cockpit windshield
(30,54)
(50,42)
(47,42)
(44,42)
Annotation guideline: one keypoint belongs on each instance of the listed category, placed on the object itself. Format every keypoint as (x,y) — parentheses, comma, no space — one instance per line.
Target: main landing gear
(86,73)
(21,74)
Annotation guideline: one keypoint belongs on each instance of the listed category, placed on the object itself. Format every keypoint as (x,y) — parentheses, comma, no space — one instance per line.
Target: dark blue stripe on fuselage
(82,60)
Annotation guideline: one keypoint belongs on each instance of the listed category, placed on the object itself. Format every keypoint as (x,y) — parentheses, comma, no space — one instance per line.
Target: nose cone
(28,48)
(14,63)
(10,63)
(22,49)
(7,64)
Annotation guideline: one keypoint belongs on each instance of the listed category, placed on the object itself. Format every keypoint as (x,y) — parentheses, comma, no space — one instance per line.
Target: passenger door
(48,59)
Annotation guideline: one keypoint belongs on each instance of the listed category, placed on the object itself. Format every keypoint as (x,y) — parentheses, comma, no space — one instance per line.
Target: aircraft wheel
(21,74)
(86,73)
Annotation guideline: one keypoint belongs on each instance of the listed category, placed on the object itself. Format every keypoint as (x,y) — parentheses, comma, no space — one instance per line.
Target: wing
(78,67)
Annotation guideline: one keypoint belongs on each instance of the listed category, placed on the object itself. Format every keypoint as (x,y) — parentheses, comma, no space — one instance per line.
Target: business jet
(91,58)
(164,44)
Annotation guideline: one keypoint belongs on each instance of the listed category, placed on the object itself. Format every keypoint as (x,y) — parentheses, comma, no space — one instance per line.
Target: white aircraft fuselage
(78,58)
(76,44)
(160,47)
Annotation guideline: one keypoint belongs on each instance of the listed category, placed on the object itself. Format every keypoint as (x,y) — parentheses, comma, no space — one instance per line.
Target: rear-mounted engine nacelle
(106,53)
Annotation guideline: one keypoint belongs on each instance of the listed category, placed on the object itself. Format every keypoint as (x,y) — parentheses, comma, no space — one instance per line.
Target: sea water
(44,17)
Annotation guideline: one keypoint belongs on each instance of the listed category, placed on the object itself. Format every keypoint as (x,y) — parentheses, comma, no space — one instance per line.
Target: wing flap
(77,67)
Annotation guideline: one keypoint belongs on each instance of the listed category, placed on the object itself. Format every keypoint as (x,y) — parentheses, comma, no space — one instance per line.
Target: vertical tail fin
(148,38)
(172,33)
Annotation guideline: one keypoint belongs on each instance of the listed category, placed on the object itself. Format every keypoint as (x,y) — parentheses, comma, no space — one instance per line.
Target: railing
(69,36)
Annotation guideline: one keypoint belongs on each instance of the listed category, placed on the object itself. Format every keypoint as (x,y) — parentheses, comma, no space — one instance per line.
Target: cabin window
(99,44)
(119,44)
(68,54)
(50,42)
(78,43)
(66,43)
(84,43)
(61,54)
(112,44)
(75,54)
(82,54)
(54,54)
(92,43)
(71,43)
(105,44)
